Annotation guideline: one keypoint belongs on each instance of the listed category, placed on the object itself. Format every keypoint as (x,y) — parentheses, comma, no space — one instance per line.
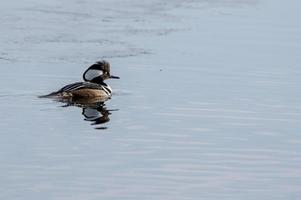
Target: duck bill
(115,77)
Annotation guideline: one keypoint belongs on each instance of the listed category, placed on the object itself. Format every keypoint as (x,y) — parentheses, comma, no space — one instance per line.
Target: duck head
(98,72)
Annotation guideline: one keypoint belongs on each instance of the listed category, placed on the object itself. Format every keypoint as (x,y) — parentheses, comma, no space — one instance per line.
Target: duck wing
(79,85)
(73,87)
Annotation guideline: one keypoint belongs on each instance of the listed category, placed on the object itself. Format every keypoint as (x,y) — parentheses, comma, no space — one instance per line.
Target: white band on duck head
(90,74)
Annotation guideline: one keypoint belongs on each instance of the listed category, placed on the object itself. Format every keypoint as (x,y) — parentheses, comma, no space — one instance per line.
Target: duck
(93,85)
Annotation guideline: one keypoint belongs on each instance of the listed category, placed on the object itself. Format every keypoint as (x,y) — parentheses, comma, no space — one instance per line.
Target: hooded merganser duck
(93,85)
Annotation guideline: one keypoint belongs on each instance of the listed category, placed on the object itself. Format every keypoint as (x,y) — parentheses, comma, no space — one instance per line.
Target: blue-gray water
(208,104)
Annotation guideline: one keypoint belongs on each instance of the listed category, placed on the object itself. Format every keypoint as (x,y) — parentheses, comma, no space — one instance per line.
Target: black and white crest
(94,71)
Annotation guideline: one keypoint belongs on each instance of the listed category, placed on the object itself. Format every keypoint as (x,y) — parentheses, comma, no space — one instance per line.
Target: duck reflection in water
(93,110)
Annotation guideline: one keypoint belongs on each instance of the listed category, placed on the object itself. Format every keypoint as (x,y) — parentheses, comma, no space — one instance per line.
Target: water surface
(207,106)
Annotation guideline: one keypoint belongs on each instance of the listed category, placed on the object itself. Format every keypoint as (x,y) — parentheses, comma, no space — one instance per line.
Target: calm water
(207,107)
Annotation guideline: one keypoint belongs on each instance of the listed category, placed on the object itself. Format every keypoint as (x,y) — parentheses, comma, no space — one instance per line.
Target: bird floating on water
(92,87)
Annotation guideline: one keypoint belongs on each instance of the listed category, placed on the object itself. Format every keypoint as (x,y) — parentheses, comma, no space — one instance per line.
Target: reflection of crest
(99,115)
(94,109)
